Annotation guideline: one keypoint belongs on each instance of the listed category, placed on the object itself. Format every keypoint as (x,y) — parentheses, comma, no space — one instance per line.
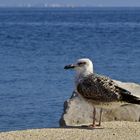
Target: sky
(132,3)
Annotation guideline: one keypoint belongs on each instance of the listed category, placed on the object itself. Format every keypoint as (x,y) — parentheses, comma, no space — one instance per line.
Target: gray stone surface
(78,112)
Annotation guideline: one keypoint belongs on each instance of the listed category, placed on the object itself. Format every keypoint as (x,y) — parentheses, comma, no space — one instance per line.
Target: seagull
(99,90)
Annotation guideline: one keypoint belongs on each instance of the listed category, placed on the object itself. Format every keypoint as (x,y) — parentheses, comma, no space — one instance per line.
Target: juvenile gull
(99,90)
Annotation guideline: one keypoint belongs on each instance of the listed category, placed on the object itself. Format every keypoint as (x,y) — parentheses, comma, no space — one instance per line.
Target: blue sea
(36,44)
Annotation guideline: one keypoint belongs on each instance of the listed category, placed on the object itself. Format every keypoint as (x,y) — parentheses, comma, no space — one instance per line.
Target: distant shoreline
(70,7)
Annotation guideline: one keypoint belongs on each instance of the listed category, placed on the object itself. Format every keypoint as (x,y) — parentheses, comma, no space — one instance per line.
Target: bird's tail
(130,98)
(127,96)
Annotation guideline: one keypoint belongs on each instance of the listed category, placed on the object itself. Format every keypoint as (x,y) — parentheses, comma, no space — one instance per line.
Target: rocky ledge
(79,112)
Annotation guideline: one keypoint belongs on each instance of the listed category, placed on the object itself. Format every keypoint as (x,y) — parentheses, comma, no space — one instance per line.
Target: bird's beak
(71,66)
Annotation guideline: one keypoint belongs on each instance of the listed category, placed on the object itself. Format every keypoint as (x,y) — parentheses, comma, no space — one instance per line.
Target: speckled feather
(100,89)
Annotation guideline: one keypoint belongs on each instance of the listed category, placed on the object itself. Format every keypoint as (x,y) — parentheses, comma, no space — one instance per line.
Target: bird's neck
(80,75)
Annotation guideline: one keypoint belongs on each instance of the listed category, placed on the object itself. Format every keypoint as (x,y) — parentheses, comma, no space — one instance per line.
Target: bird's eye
(81,63)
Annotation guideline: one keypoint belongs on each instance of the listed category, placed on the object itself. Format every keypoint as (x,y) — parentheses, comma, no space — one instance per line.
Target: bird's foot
(92,126)
(98,125)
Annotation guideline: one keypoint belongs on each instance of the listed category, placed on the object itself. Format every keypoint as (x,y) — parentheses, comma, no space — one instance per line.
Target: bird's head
(83,66)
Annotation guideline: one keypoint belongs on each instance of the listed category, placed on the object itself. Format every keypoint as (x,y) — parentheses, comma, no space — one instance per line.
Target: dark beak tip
(65,67)
(69,67)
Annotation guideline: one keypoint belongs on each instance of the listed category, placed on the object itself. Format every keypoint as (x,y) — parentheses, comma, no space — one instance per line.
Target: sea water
(36,44)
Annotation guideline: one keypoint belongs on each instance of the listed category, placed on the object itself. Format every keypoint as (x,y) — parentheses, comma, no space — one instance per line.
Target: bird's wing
(99,88)
(127,97)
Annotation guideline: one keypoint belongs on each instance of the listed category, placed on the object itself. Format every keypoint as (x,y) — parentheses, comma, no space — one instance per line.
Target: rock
(78,112)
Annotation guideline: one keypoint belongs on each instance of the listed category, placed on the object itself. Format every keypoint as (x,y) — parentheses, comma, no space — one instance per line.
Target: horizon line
(1,6)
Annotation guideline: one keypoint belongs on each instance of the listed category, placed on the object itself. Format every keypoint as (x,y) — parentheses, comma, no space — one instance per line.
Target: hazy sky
(72,2)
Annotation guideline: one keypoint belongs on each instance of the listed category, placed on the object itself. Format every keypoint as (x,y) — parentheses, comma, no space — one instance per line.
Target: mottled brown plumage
(101,89)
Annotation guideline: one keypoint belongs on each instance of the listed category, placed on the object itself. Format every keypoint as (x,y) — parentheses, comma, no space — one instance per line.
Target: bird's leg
(94,115)
(100,118)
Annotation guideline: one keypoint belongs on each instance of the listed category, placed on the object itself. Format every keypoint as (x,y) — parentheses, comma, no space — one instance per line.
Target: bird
(99,90)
